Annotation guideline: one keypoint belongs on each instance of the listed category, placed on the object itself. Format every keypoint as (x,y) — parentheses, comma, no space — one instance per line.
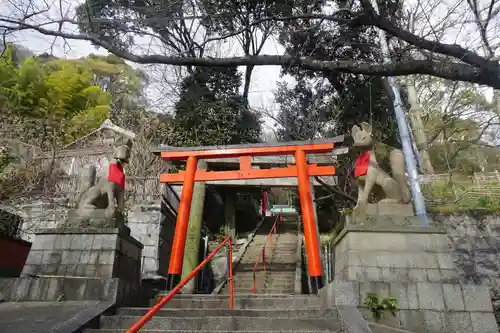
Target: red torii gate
(302,170)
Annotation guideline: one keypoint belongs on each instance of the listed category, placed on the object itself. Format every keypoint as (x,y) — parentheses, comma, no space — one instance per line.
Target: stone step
(224,312)
(249,287)
(273,301)
(117,330)
(275,281)
(222,323)
(278,276)
(260,292)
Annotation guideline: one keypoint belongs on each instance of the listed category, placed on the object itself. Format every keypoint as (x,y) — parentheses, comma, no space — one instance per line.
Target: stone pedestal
(80,264)
(392,248)
(395,255)
(102,253)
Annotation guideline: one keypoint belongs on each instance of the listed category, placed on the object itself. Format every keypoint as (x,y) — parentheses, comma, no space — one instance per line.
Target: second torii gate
(302,170)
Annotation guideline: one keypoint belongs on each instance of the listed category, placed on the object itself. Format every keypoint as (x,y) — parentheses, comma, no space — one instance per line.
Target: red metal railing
(144,319)
(262,254)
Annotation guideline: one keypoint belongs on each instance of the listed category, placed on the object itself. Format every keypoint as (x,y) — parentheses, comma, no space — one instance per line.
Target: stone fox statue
(369,175)
(104,200)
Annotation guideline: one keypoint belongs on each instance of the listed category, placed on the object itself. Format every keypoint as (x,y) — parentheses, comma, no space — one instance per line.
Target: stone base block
(85,252)
(67,289)
(423,307)
(381,208)
(393,249)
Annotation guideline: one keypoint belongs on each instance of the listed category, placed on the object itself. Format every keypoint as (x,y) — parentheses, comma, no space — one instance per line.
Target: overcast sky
(264,78)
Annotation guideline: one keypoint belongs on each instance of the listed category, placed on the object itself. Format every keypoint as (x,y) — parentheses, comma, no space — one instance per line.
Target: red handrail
(144,319)
(262,253)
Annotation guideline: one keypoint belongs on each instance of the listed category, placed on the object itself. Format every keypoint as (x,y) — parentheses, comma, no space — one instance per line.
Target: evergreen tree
(212,112)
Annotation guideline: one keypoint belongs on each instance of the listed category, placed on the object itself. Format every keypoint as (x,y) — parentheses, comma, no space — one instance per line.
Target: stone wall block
(434,275)
(73,289)
(63,241)
(400,292)
(105,242)
(430,296)
(453,298)
(458,322)
(106,257)
(382,289)
(104,271)
(49,269)
(52,257)
(417,275)
(34,257)
(71,257)
(411,320)
(37,290)
(445,260)
(21,289)
(477,298)
(61,270)
(373,274)
(421,260)
(438,243)
(53,289)
(94,290)
(30,270)
(89,257)
(483,322)
(434,321)
(45,242)
(83,242)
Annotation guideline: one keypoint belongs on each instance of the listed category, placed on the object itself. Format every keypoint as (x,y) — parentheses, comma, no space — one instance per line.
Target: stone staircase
(280,261)
(209,313)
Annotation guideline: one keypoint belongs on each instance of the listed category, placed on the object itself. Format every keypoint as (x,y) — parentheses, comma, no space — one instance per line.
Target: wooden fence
(479,185)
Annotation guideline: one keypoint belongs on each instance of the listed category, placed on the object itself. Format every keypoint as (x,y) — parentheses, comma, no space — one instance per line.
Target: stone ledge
(387,229)
(380,208)
(90,231)
(411,296)
(377,221)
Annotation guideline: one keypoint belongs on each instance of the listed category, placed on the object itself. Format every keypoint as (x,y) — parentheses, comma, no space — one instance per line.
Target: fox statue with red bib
(369,175)
(101,205)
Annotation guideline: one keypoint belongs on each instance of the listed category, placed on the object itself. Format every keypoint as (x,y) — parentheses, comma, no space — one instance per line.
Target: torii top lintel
(282,148)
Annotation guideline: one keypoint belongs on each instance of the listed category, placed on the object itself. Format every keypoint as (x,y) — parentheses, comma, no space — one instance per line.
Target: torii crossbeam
(302,170)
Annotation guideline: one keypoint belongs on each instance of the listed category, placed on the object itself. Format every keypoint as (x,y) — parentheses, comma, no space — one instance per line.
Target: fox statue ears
(364,127)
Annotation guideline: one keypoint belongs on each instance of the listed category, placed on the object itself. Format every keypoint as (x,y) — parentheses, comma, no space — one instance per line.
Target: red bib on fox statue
(361,166)
(116,174)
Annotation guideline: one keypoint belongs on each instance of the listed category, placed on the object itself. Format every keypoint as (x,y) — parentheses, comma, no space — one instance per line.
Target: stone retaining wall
(474,241)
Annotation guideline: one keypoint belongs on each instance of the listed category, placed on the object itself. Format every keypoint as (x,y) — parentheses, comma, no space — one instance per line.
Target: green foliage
(59,97)
(455,197)
(211,111)
(330,103)
(379,307)
(51,102)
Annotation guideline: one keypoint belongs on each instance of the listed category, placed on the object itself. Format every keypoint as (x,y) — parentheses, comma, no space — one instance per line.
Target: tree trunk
(418,130)
(246,87)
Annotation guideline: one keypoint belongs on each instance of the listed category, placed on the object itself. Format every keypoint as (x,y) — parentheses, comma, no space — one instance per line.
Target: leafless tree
(428,52)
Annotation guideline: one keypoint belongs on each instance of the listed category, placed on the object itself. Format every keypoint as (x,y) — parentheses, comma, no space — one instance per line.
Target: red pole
(152,311)
(230,268)
(310,234)
(181,226)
